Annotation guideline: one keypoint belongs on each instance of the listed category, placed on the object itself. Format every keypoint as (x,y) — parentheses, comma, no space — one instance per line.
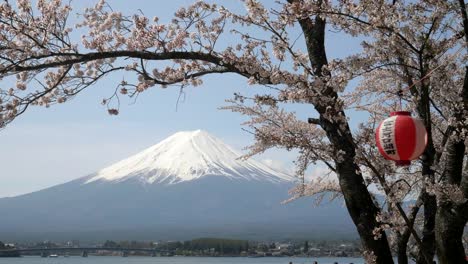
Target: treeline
(205,245)
(222,246)
(127,244)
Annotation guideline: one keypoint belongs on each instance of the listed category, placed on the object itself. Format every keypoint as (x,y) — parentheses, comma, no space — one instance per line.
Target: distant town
(203,247)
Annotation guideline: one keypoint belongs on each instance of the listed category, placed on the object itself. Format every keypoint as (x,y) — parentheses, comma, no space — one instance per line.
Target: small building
(283,246)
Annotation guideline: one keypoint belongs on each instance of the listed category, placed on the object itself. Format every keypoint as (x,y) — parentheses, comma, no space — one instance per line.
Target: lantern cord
(400,95)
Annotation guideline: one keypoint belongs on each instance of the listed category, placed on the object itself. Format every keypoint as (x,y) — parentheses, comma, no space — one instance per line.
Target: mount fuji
(188,185)
(187,156)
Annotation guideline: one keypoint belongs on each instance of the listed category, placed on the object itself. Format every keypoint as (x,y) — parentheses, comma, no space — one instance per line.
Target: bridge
(45,252)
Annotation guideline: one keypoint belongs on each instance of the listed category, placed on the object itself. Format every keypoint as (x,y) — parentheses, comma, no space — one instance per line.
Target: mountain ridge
(225,197)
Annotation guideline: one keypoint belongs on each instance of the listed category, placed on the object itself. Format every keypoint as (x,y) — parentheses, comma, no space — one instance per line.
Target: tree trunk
(430,203)
(428,234)
(449,233)
(402,244)
(358,200)
(451,217)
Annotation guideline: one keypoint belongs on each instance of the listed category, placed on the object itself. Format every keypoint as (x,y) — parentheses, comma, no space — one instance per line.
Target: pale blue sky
(45,147)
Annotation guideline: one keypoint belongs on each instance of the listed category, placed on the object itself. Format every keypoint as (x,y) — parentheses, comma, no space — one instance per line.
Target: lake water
(175,260)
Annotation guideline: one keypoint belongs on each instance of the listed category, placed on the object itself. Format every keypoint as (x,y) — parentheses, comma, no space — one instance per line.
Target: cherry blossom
(413,57)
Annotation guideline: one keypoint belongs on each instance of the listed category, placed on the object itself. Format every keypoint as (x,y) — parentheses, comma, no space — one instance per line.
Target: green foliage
(46,244)
(127,244)
(174,245)
(221,246)
(111,244)
(306,246)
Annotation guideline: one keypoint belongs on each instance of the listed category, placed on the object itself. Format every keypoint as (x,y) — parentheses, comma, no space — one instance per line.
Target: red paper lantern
(401,138)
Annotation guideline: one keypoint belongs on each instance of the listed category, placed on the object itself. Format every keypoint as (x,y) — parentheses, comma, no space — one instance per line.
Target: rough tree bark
(451,217)
(358,200)
(402,244)
(430,203)
(360,206)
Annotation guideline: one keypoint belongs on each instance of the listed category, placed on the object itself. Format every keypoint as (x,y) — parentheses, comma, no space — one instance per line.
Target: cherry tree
(413,57)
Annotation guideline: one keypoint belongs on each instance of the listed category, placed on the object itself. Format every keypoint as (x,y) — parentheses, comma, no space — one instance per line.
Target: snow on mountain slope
(187,156)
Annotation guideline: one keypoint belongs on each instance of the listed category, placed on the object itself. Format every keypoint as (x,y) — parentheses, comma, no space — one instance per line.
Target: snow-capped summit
(187,156)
